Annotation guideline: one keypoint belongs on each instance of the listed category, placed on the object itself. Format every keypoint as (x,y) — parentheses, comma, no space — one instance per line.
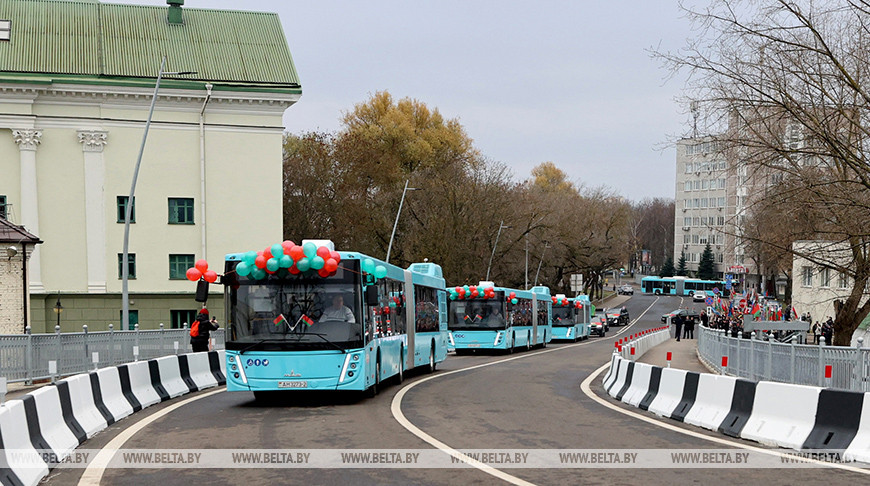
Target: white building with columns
(73,111)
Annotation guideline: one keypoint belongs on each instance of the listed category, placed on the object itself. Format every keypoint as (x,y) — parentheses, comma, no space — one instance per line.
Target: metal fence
(759,360)
(28,357)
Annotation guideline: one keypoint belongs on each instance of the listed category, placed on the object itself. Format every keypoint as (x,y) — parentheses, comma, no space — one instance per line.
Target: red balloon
(323,272)
(474,293)
(296,253)
(323,252)
(210,276)
(513,295)
(330,265)
(269,271)
(287,245)
(459,290)
(193,274)
(335,256)
(294,270)
(267,253)
(260,262)
(473,288)
(201,265)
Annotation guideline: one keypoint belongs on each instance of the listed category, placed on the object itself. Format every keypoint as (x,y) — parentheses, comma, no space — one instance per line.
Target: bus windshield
(296,312)
(563,316)
(476,314)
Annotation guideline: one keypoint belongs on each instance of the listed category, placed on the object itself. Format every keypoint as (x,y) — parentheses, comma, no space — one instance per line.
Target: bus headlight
(231,359)
(498,337)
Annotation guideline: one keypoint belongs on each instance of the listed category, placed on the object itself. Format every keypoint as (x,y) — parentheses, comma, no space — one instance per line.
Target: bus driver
(338,311)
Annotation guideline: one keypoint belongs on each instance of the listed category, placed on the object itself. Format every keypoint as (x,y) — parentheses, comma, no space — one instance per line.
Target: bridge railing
(28,357)
(768,360)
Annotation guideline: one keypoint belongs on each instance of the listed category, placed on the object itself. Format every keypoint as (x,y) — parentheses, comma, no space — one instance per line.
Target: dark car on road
(617,316)
(598,326)
(683,312)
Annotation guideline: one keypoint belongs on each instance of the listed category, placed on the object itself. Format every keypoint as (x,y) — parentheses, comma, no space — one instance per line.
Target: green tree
(707,264)
(668,268)
(682,268)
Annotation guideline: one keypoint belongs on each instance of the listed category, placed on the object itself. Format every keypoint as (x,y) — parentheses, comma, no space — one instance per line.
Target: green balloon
(453,295)
(309,249)
(258,273)
(380,271)
(277,250)
(285,261)
(317,263)
(513,301)
(272,265)
(368,265)
(242,269)
(303,265)
(249,258)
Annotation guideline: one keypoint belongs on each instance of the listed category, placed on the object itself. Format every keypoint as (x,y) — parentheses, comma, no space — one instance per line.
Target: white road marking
(585,386)
(94,473)
(396,408)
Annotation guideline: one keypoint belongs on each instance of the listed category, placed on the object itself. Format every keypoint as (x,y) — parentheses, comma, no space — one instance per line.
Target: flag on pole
(795,313)
(308,320)
(278,320)
(756,310)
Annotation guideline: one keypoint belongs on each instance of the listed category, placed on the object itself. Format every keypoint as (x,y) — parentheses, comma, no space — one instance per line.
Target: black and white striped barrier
(777,414)
(58,418)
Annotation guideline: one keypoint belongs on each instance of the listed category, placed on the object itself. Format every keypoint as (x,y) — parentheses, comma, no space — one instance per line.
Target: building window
(721,202)
(825,277)
(687,239)
(697,185)
(688,186)
(178,318)
(180,210)
(720,258)
(703,202)
(122,209)
(807,276)
(689,168)
(843,281)
(687,221)
(696,221)
(704,185)
(131,265)
(5,30)
(178,265)
(3,207)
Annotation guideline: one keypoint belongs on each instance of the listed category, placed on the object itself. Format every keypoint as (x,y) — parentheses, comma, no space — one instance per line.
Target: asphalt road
(530,400)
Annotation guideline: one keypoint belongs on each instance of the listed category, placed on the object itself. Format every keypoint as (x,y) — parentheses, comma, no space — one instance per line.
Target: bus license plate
(474,345)
(292,384)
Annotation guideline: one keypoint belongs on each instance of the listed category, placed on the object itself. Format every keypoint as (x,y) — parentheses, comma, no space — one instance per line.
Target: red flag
(307,320)
(278,320)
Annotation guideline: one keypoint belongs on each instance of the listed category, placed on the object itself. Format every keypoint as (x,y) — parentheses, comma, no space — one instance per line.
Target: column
(93,142)
(28,140)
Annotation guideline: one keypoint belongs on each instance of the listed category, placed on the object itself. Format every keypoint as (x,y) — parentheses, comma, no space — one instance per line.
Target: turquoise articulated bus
(681,286)
(571,317)
(349,325)
(490,317)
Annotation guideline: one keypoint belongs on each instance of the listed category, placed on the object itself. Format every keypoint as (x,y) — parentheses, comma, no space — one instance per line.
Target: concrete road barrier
(25,464)
(170,376)
(83,406)
(669,393)
(782,414)
(712,402)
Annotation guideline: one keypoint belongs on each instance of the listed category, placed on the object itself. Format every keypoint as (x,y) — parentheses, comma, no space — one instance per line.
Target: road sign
(577,282)
(728,284)
(709,301)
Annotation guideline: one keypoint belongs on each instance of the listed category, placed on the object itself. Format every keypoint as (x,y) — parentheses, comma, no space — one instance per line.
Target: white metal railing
(767,360)
(27,357)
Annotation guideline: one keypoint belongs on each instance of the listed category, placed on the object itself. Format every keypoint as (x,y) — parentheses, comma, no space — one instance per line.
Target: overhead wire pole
(500,227)
(399,212)
(546,245)
(128,210)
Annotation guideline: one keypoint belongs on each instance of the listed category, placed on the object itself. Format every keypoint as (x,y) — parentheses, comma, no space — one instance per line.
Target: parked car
(598,326)
(683,312)
(699,296)
(617,316)
(625,290)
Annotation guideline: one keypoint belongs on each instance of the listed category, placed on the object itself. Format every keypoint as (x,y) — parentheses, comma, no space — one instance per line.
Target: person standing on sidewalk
(200,331)
(704,318)
(689,326)
(678,322)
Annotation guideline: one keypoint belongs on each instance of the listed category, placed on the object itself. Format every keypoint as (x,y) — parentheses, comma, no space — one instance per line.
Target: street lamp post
(396,224)
(546,245)
(125,266)
(58,308)
(501,226)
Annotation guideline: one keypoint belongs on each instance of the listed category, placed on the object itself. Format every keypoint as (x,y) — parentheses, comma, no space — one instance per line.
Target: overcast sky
(570,82)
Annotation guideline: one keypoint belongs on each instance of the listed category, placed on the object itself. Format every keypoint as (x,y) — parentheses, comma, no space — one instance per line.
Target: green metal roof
(93,39)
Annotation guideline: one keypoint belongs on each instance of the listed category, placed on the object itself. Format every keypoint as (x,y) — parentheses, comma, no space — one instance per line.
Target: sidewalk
(683,355)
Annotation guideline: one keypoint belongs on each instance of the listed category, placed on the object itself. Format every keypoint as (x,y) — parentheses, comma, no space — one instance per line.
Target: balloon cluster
(200,270)
(379,271)
(472,292)
(560,302)
(291,257)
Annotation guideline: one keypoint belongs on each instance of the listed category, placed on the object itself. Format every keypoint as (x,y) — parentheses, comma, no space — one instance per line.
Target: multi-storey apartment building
(76,83)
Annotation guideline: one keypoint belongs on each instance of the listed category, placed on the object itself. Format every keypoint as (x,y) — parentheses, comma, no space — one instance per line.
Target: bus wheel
(373,390)
(432,359)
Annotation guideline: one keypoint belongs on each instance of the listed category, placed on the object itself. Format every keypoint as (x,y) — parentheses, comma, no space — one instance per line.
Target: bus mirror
(372,298)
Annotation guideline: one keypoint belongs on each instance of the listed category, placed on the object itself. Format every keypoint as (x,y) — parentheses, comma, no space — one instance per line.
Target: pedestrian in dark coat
(678,322)
(203,327)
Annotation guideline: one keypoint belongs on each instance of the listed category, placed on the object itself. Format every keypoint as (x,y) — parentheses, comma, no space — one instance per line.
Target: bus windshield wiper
(254,345)
(321,336)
